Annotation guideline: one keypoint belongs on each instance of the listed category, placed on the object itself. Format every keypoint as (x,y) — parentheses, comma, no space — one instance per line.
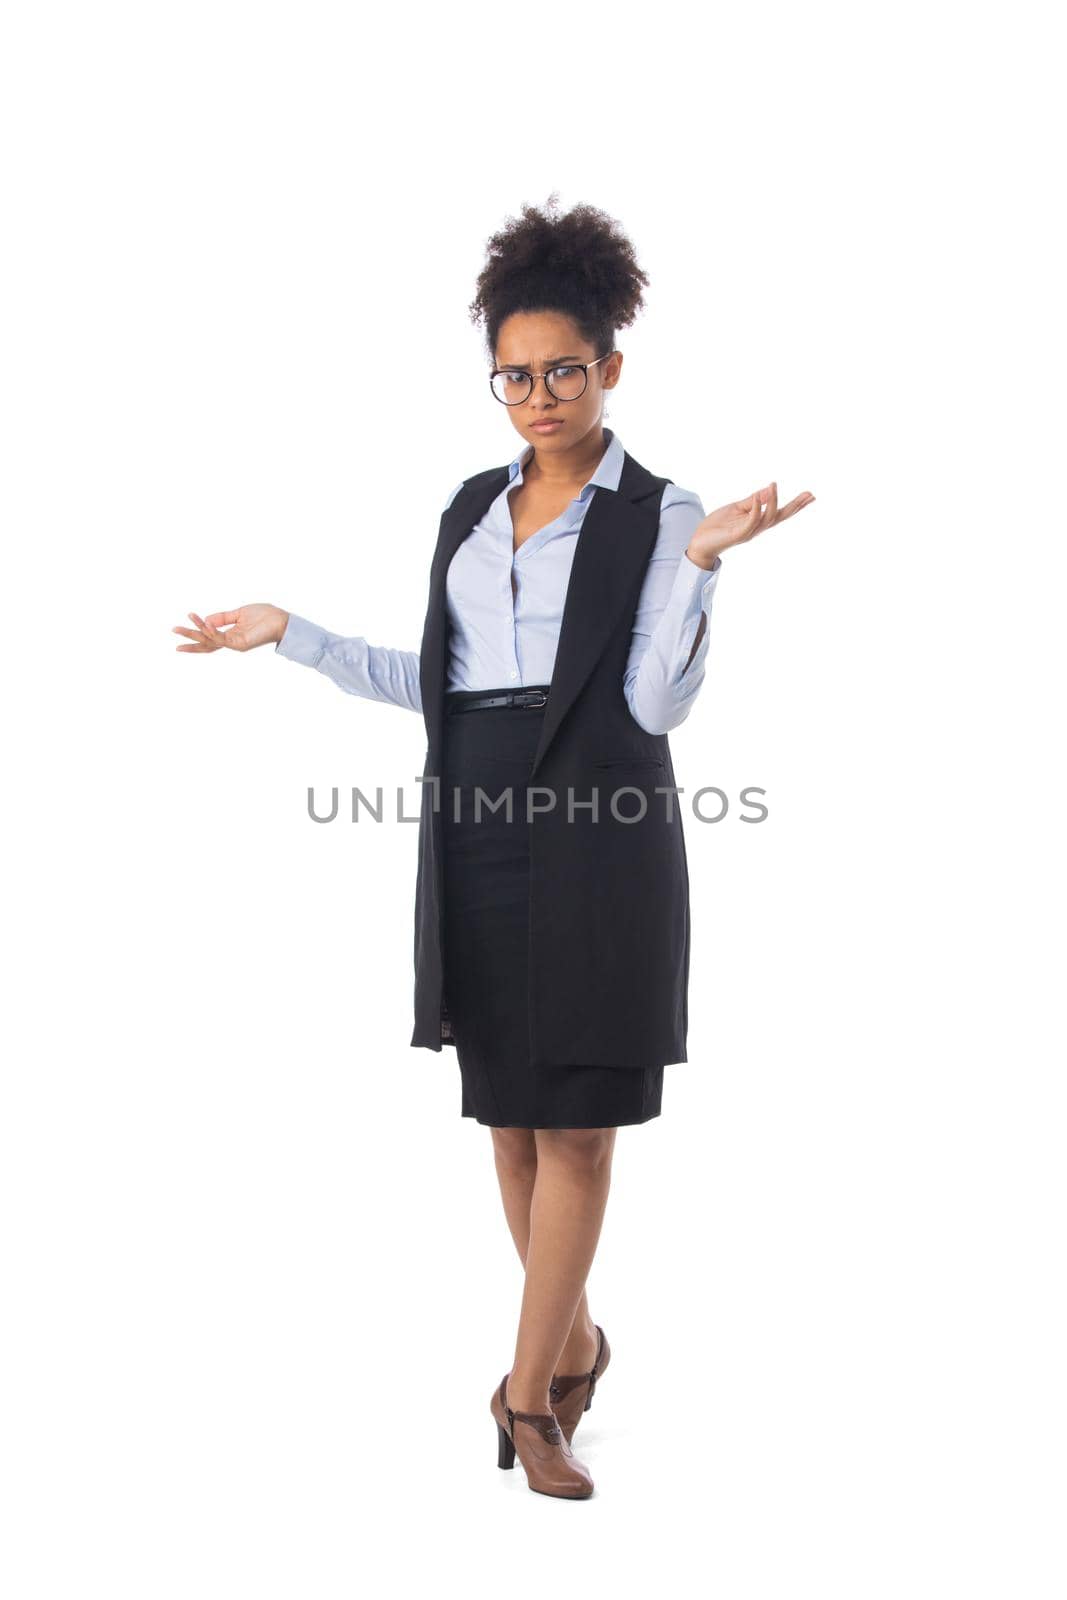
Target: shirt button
(514,674)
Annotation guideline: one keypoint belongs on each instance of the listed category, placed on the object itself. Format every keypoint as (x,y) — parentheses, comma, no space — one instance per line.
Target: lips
(546,427)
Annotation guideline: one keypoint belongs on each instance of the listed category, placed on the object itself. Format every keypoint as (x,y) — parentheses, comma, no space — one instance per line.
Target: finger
(212,634)
(219,619)
(770,510)
(199,649)
(188,633)
(752,521)
(794,506)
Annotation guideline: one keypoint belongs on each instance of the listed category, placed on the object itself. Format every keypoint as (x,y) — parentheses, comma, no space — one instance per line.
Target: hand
(250,626)
(739,522)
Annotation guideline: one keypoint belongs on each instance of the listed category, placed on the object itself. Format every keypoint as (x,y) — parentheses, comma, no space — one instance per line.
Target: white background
(258,1282)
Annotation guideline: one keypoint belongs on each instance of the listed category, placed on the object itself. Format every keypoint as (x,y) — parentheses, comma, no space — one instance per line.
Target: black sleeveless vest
(609,900)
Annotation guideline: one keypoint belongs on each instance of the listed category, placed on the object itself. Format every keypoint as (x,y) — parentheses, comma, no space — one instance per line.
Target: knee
(515,1149)
(585,1149)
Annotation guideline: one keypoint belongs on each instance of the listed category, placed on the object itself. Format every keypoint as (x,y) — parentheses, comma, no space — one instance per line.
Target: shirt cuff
(302,641)
(694,587)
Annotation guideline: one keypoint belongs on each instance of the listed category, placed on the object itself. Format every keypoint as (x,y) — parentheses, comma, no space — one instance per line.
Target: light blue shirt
(505,607)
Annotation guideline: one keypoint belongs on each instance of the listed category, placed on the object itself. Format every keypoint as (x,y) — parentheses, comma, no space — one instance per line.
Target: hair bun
(581,264)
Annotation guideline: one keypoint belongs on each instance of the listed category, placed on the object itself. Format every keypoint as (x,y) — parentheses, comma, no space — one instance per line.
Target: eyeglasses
(511,386)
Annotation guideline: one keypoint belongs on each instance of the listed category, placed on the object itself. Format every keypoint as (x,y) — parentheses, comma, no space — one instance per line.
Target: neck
(560,467)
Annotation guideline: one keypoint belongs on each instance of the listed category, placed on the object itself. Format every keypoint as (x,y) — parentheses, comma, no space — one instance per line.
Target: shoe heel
(505,1452)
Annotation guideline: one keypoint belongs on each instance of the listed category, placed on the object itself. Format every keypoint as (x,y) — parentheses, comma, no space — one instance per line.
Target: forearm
(374,672)
(666,666)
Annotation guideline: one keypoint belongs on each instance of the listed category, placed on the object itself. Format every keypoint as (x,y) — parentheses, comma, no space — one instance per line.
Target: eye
(563,372)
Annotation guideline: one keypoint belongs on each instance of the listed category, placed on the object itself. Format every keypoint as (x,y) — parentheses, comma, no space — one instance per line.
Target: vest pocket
(630,761)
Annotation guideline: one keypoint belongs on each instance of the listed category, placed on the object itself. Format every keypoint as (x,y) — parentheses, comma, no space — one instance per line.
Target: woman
(565,635)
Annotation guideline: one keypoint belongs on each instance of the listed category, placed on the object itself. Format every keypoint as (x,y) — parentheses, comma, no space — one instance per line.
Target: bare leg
(515,1154)
(570,1196)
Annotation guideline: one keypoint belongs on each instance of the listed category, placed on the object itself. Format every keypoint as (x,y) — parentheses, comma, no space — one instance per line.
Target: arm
(373,671)
(665,667)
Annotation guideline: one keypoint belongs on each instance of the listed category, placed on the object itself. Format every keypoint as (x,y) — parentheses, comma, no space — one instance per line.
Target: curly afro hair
(581,264)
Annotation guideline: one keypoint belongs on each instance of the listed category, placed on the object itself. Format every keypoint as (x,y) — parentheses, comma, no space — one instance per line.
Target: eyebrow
(550,361)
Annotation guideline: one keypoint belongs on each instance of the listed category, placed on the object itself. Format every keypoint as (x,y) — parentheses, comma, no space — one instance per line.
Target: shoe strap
(544,1421)
(564,1383)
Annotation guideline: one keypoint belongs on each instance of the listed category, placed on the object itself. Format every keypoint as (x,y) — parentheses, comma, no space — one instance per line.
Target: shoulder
(475,481)
(652,488)
(675,497)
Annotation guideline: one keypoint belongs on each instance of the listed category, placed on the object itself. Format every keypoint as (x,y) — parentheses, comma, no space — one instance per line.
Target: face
(535,341)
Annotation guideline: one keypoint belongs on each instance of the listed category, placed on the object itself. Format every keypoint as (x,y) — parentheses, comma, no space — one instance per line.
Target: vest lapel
(614,545)
(610,557)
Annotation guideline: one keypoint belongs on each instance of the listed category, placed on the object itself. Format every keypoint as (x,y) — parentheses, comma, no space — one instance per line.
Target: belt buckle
(541,700)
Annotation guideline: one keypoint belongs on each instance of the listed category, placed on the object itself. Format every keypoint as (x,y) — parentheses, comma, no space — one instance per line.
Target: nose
(546,397)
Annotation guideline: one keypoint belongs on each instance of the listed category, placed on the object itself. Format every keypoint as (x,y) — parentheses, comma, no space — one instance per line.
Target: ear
(612,369)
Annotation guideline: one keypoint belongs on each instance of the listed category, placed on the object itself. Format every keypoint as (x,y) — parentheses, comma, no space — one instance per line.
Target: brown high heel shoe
(550,1464)
(572,1393)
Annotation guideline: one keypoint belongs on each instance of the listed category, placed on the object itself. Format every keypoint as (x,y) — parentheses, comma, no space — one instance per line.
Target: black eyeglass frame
(573,366)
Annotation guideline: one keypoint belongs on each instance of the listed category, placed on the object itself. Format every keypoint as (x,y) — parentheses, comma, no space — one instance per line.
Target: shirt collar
(608,471)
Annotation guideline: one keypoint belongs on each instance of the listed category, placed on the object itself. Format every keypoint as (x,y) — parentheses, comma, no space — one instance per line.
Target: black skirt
(486,935)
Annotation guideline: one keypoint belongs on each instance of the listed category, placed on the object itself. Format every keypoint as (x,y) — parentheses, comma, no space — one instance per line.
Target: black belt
(511,697)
